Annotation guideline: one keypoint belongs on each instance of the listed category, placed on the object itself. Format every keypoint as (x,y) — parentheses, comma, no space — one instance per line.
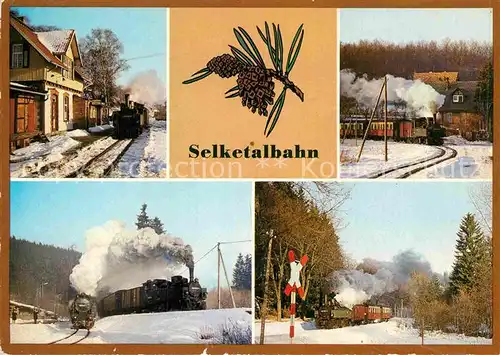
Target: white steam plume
(420,97)
(355,286)
(118,258)
(147,88)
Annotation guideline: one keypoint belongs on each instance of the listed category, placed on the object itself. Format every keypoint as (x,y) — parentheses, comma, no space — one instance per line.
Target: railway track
(70,339)
(101,164)
(406,170)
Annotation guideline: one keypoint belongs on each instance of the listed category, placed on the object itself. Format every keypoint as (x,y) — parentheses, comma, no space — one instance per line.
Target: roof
(27,89)
(56,41)
(436,77)
(33,39)
(468,89)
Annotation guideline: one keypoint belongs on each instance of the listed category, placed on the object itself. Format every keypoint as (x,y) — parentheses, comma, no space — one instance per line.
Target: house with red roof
(47,82)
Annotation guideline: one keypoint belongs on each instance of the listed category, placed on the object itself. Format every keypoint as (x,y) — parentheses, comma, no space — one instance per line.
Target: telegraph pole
(385,117)
(218,274)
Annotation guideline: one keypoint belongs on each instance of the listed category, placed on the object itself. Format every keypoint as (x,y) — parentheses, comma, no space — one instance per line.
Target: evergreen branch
(276,107)
(204,70)
(232,89)
(292,47)
(192,80)
(280,50)
(245,47)
(254,47)
(242,57)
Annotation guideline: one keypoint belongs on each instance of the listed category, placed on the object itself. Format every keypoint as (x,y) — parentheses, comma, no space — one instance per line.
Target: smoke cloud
(356,286)
(421,98)
(147,88)
(117,258)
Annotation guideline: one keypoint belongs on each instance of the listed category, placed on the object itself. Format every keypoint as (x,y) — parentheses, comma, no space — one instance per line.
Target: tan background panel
(199,113)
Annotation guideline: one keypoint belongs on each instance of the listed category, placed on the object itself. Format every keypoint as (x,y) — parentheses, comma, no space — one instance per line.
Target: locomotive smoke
(355,286)
(117,258)
(147,88)
(420,97)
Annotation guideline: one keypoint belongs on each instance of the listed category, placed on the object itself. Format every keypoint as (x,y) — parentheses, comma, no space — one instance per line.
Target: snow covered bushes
(230,333)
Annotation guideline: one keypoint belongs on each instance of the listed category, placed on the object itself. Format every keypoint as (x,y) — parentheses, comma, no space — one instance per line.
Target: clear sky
(384,218)
(409,25)
(59,213)
(142,31)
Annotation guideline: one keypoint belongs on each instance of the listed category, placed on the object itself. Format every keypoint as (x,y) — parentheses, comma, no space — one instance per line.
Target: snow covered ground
(147,156)
(395,331)
(194,327)
(373,158)
(474,159)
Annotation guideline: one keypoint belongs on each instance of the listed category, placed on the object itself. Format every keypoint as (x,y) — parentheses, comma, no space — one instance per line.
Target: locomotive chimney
(191,273)
(127,96)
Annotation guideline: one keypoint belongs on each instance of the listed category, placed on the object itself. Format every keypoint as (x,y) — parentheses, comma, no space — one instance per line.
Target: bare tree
(481,196)
(101,54)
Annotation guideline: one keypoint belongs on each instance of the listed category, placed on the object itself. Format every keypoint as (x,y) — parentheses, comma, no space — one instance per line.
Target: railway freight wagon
(158,295)
(420,130)
(334,315)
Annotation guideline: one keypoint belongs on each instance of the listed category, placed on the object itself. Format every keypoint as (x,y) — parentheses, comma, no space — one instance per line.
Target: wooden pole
(218,275)
(266,289)
(385,118)
(369,123)
(227,279)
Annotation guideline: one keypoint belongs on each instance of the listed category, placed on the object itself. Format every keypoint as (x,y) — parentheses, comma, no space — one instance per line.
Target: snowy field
(393,332)
(194,327)
(472,161)
(147,156)
(373,159)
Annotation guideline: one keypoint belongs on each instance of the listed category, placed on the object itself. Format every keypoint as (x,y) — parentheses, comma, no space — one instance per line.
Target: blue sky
(384,218)
(142,31)
(202,214)
(406,25)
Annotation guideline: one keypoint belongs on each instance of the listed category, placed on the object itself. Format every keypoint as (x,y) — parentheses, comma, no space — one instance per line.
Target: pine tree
(484,97)
(238,272)
(157,225)
(471,251)
(248,272)
(143,220)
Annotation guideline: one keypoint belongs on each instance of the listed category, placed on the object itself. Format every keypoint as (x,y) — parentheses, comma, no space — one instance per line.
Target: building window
(66,108)
(69,72)
(458,98)
(17,56)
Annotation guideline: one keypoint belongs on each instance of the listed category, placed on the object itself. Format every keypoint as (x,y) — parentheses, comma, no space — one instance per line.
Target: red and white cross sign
(294,285)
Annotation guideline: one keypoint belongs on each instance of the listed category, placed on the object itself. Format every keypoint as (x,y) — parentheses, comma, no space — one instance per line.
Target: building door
(54,112)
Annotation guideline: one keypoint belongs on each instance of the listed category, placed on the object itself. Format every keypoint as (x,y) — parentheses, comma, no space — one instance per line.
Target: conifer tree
(143,220)
(157,225)
(471,251)
(248,272)
(238,272)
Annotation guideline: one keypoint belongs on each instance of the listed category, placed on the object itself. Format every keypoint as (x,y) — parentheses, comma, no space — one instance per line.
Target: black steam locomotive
(159,295)
(130,120)
(82,311)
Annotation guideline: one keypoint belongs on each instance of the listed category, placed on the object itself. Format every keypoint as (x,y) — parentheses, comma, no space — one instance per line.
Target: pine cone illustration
(256,89)
(255,83)
(225,66)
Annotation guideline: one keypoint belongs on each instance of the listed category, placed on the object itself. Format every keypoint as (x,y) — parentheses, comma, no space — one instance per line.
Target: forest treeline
(32,265)
(378,58)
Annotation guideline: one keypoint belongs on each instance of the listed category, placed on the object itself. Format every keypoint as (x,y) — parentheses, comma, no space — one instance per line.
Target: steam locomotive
(158,295)
(82,311)
(420,130)
(130,120)
(332,314)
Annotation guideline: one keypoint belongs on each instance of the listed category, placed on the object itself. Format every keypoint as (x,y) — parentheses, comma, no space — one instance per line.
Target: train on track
(130,120)
(333,315)
(159,295)
(82,311)
(423,130)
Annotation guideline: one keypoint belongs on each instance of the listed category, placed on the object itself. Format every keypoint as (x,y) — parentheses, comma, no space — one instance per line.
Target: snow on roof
(56,41)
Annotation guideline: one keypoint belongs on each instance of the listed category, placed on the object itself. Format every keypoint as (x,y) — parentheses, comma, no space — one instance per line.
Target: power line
(145,56)
(239,241)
